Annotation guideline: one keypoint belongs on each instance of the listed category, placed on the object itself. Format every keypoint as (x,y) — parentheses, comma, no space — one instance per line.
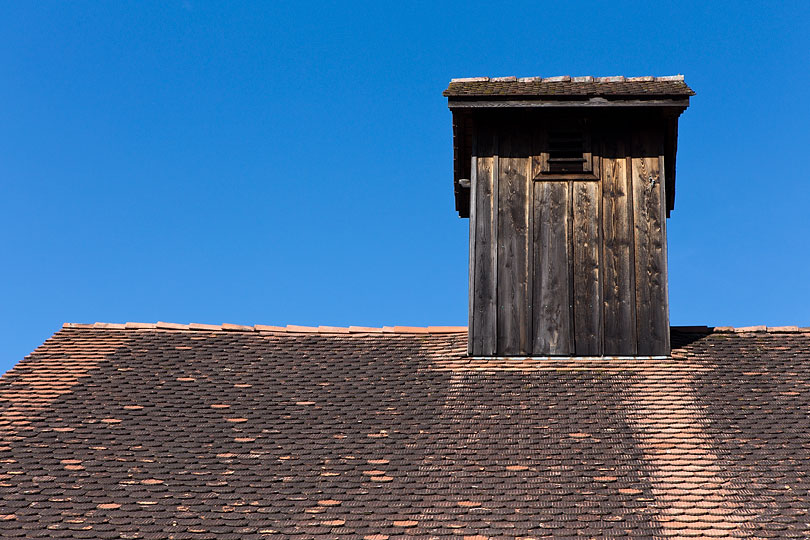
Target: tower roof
(566,87)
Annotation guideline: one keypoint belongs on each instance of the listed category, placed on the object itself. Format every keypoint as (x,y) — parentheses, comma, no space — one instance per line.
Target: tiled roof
(567,87)
(185,431)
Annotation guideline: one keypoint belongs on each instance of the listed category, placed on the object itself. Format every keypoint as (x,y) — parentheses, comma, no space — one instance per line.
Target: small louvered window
(566,151)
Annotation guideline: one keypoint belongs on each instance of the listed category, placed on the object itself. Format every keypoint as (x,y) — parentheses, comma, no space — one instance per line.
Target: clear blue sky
(192,161)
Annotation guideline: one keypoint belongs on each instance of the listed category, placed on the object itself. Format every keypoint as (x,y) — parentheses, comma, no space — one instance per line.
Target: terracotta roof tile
(333,330)
(133,325)
(446,329)
(364,329)
(198,326)
(410,330)
(762,328)
(299,432)
(305,329)
(171,326)
(237,327)
(266,328)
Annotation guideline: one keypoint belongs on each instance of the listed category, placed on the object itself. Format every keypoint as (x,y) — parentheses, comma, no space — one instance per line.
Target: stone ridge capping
(568,78)
(295,329)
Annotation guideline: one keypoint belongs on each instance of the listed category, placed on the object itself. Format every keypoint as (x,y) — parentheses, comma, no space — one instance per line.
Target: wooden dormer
(567,183)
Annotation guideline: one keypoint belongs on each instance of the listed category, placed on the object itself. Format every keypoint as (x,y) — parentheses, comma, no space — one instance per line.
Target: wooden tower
(567,183)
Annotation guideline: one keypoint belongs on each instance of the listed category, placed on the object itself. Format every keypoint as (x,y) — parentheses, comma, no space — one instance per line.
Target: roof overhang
(470,97)
(465,109)
(473,103)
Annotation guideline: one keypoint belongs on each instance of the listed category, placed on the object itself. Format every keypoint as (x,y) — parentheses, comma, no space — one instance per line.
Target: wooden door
(567,311)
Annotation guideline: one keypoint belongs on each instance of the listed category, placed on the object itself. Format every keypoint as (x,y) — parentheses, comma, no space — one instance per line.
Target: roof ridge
(742,329)
(568,78)
(296,329)
(266,329)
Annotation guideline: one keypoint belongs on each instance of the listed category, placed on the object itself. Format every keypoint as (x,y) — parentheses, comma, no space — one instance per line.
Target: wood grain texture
(587,287)
(472,224)
(652,308)
(569,219)
(666,347)
(483,258)
(618,288)
(551,238)
(513,237)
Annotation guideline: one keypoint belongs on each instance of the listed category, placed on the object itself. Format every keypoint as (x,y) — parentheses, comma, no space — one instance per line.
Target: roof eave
(672,105)
(484,102)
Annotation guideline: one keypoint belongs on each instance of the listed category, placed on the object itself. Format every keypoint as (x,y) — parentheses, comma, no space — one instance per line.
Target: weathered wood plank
(483,257)
(666,347)
(617,262)
(570,225)
(587,288)
(529,239)
(513,238)
(652,308)
(471,272)
(551,238)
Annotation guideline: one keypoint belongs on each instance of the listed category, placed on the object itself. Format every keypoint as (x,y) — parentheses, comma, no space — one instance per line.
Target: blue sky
(292,164)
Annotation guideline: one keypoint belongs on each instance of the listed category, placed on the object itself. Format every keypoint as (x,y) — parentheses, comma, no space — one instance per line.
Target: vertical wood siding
(513,244)
(483,257)
(571,267)
(618,284)
(587,289)
(551,238)
(650,262)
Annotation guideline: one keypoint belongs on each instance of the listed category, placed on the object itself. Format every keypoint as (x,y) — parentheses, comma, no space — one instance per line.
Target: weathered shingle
(206,432)
(569,87)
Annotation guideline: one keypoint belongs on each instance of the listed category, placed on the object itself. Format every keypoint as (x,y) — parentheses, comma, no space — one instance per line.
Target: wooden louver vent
(565,151)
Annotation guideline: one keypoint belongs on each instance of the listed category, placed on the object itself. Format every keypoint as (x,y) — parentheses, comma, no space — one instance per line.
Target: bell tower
(567,182)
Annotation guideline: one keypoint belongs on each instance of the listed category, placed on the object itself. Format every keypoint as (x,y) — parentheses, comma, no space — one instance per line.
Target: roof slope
(162,433)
